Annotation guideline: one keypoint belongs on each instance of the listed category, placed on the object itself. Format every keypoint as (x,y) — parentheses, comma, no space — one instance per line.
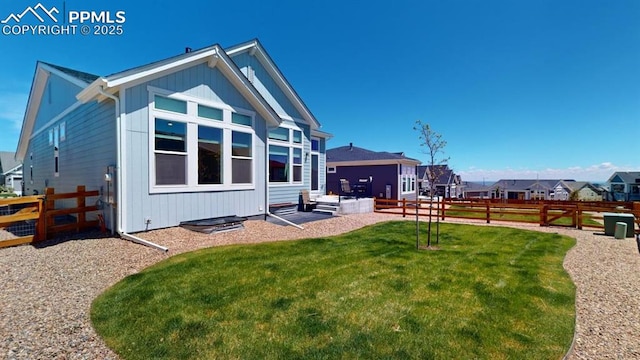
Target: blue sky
(518,89)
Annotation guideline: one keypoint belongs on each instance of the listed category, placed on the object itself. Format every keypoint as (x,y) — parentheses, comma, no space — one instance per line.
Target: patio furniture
(306,203)
(345,188)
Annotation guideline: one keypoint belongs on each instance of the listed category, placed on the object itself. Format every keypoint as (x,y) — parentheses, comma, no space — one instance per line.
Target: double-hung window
(170,152)
(198,145)
(285,155)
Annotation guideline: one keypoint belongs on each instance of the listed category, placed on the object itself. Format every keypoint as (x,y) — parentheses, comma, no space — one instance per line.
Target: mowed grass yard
(486,293)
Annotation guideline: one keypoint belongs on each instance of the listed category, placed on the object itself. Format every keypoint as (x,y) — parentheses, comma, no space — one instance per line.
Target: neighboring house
(381,174)
(447,183)
(624,186)
(475,190)
(584,190)
(208,133)
(10,172)
(524,189)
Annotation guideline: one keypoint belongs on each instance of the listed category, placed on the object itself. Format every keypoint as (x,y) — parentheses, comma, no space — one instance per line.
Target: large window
(286,156)
(198,145)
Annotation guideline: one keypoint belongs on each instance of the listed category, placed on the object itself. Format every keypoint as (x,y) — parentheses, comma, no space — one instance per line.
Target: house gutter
(119,168)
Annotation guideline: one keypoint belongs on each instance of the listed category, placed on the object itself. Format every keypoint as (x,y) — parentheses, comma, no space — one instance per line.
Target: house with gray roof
(524,189)
(10,172)
(446,183)
(385,175)
(207,133)
(624,186)
(583,190)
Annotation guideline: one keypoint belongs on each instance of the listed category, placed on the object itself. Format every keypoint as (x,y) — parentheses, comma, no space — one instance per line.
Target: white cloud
(596,172)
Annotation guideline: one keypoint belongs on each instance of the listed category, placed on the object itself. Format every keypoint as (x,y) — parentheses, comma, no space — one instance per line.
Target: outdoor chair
(345,188)
(307,203)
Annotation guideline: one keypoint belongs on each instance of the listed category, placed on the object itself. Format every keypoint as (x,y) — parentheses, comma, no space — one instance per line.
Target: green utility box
(610,220)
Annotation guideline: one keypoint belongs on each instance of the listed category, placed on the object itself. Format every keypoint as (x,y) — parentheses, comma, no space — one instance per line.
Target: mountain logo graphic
(39,11)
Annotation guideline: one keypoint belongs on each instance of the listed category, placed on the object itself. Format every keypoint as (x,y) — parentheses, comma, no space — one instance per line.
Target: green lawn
(487,293)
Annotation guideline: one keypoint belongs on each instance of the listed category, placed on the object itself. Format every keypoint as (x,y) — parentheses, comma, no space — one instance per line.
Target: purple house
(380,174)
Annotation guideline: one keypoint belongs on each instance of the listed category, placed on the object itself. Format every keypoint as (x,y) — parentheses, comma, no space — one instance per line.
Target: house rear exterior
(210,133)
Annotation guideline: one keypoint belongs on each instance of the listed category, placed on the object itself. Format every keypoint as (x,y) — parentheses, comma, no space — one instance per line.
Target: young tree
(433,145)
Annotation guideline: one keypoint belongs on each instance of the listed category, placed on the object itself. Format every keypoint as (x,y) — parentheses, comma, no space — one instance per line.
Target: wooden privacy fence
(40,216)
(546,213)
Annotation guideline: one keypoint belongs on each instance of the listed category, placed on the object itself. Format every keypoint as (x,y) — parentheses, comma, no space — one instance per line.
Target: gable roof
(213,55)
(352,155)
(628,177)
(80,75)
(40,78)
(443,174)
(7,161)
(471,186)
(255,48)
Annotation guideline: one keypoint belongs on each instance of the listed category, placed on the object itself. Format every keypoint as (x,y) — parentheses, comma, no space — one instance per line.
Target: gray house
(524,189)
(10,172)
(624,186)
(208,133)
(583,190)
(446,183)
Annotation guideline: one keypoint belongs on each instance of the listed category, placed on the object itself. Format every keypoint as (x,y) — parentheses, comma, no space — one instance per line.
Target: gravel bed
(47,290)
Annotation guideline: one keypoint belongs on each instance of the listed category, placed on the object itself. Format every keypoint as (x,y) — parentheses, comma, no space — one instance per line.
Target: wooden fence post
(41,225)
(579,216)
(404,207)
(488,208)
(81,203)
(442,207)
(543,215)
(49,204)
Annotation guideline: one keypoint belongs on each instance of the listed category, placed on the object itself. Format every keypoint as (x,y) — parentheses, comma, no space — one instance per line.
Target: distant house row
(621,186)
(392,175)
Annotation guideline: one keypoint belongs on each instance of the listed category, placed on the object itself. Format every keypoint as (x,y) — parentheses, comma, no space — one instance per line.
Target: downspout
(119,167)
(266,186)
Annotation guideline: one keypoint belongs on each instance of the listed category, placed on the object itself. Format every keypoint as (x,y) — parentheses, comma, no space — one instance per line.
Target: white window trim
(290,145)
(411,183)
(192,120)
(332,169)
